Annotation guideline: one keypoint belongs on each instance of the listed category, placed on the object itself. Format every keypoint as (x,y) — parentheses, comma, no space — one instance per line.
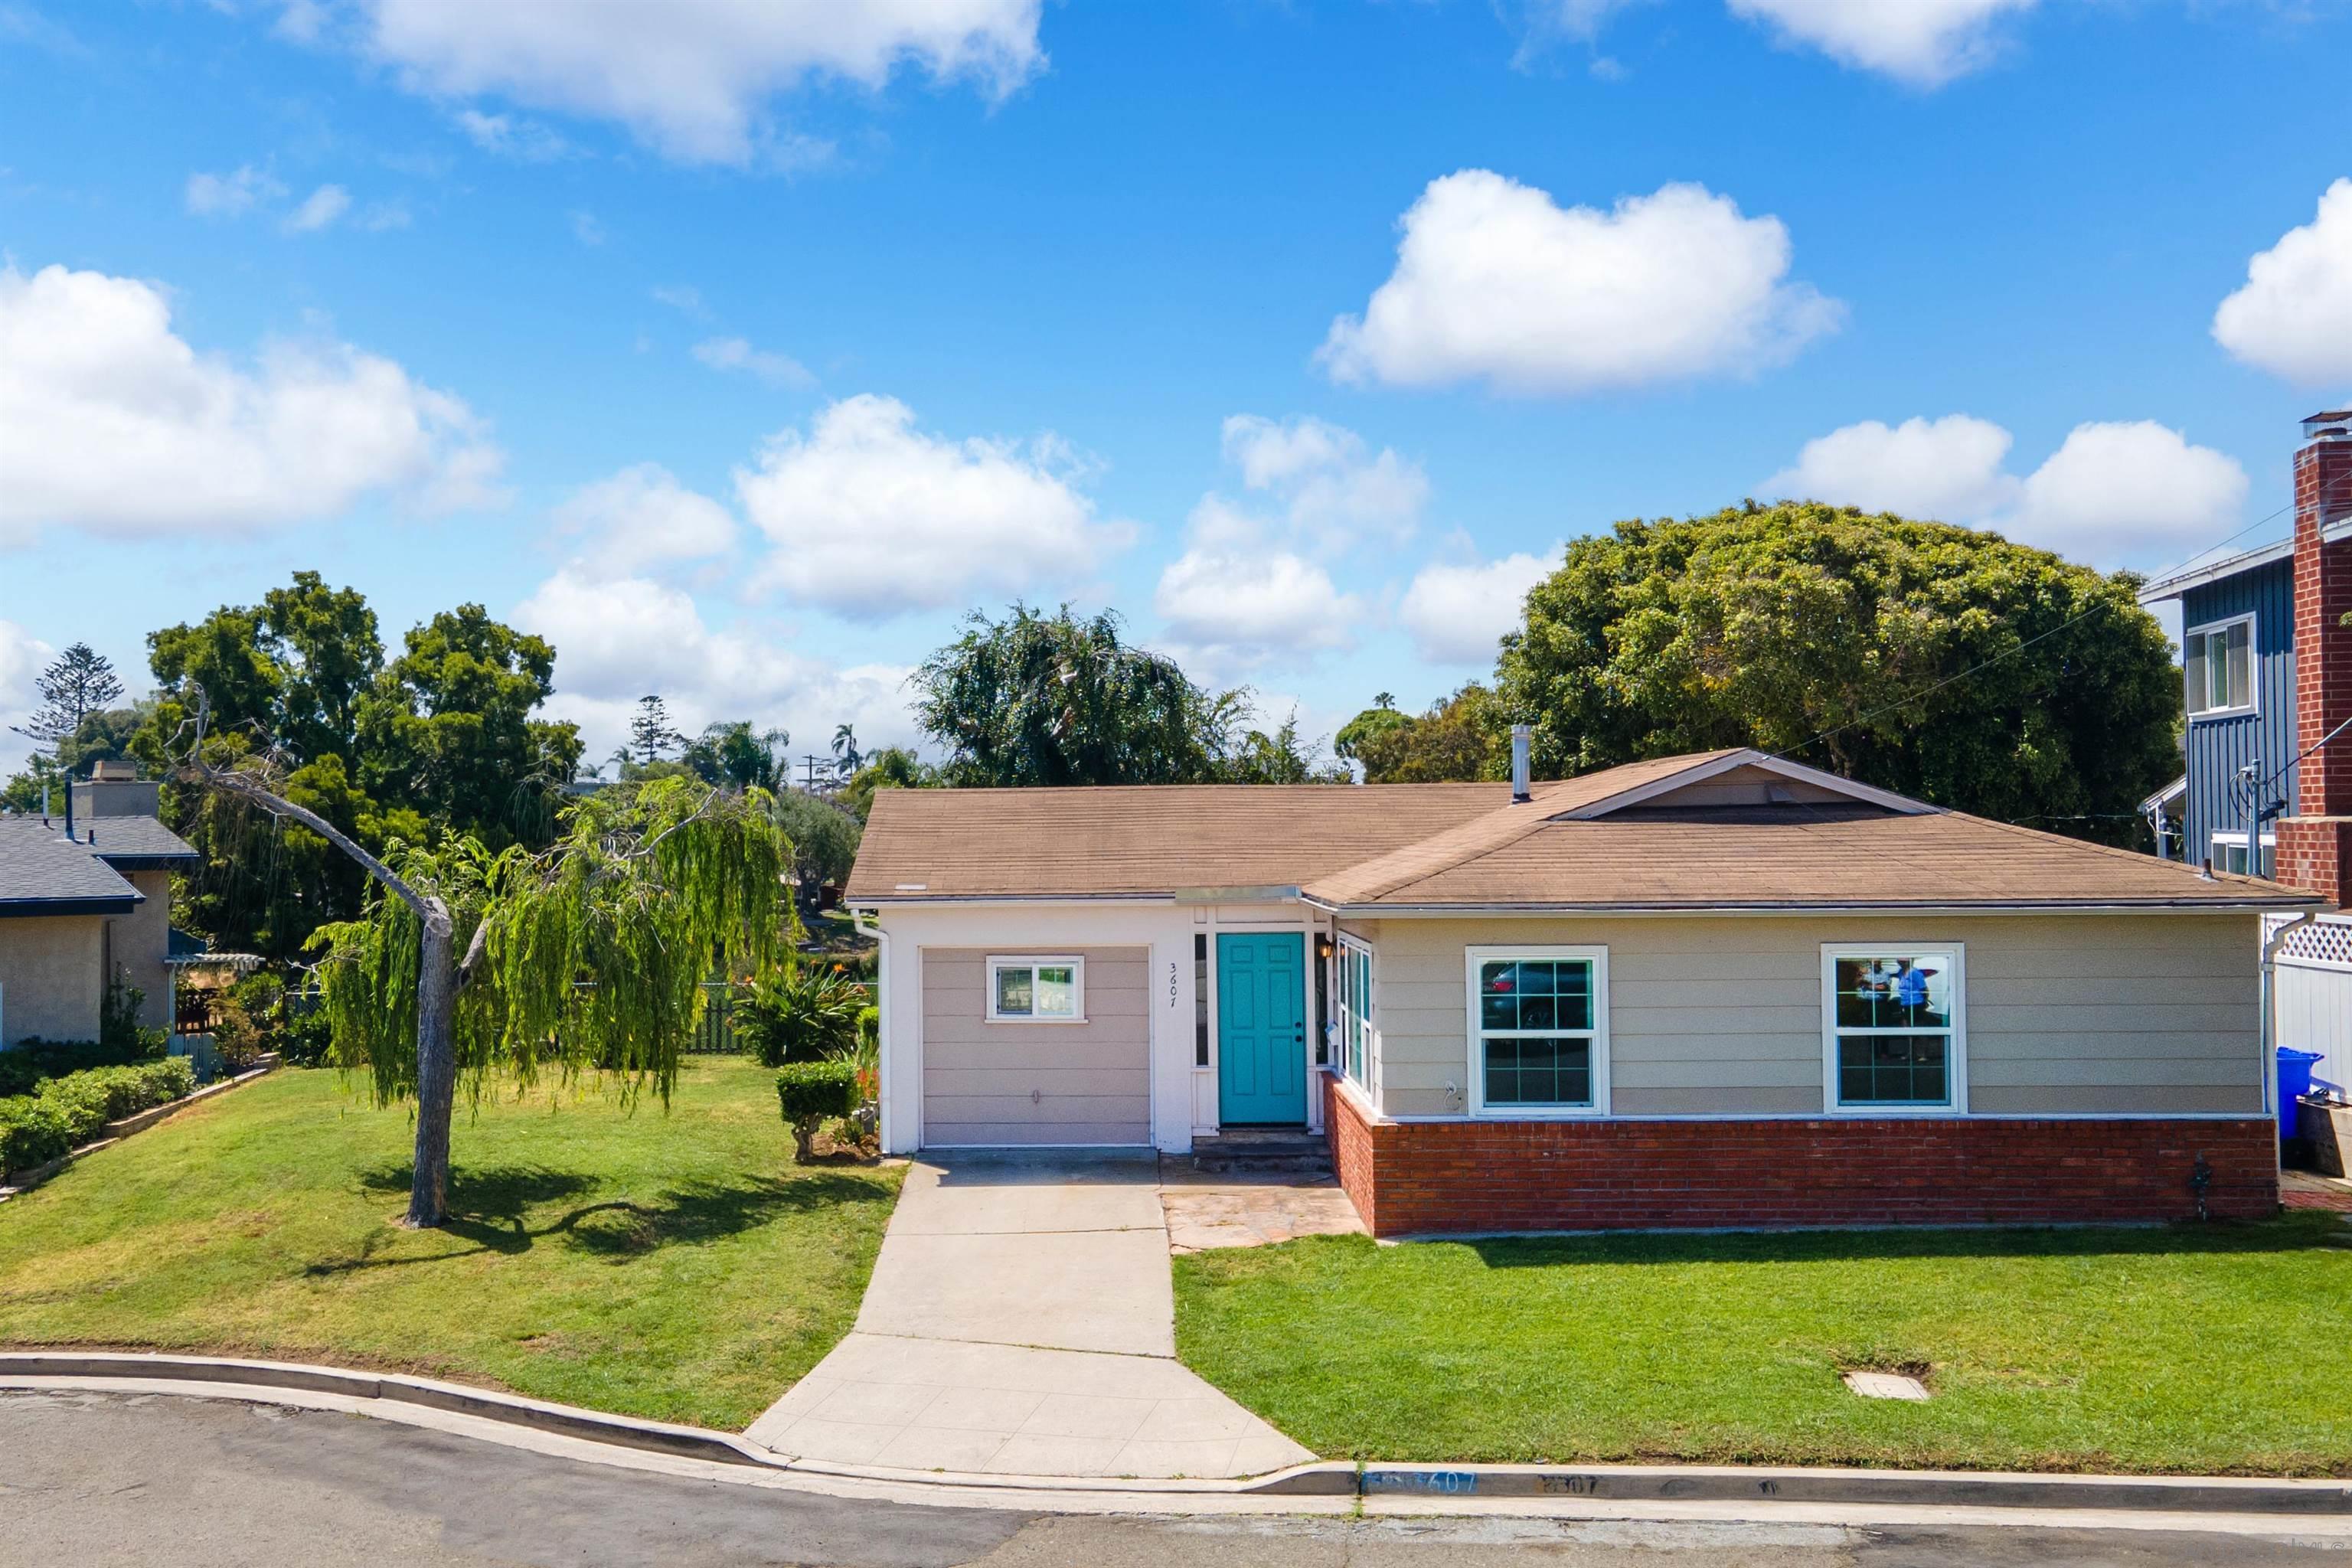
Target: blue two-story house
(2266,645)
(2236,623)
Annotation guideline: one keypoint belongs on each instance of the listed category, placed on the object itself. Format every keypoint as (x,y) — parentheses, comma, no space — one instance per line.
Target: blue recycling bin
(2293,1083)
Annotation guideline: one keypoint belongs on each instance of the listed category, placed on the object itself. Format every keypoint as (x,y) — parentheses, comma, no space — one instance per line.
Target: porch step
(1273,1149)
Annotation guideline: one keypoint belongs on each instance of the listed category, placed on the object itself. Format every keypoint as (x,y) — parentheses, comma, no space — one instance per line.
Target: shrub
(803,1014)
(810,1091)
(304,1040)
(32,1132)
(66,1112)
(26,1064)
(119,1029)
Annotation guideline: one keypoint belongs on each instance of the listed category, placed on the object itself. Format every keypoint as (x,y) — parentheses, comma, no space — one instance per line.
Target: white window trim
(2238,841)
(1475,1061)
(2254,703)
(1955,1063)
(1343,947)
(1076,966)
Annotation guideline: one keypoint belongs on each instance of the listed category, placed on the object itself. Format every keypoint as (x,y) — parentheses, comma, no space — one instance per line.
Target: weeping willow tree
(586,956)
(589,955)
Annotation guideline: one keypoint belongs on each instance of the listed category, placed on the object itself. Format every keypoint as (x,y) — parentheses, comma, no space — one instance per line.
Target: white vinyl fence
(2314,996)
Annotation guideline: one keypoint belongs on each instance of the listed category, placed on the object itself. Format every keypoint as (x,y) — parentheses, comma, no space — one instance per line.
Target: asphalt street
(135,1481)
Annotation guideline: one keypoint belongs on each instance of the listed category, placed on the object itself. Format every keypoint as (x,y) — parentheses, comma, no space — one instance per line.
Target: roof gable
(1741,777)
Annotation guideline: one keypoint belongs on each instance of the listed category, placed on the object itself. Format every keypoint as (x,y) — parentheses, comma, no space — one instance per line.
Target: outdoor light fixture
(1322,945)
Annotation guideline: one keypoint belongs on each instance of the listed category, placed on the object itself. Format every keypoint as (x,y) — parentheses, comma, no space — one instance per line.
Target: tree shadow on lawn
(488,1207)
(2303,1232)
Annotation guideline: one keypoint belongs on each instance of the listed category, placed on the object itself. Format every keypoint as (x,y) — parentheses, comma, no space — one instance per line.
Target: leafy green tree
(588,956)
(447,730)
(1942,662)
(1282,758)
(78,684)
(1379,719)
(892,767)
(325,642)
(737,755)
(823,837)
(1463,737)
(652,736)
(1039,699)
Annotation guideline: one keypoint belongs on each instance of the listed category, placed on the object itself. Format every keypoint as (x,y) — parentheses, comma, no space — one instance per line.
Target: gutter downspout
(858,920)
(2270,946)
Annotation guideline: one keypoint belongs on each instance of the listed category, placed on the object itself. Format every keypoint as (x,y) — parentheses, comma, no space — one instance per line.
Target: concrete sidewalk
(1021,1322)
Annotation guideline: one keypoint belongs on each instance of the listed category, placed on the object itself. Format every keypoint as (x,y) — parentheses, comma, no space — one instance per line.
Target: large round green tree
(1945,663)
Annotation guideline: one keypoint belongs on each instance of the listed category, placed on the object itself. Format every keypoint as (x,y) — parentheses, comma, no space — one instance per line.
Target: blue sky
(741,345)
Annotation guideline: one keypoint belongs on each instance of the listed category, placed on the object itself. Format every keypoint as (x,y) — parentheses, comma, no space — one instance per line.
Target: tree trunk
(436,1070)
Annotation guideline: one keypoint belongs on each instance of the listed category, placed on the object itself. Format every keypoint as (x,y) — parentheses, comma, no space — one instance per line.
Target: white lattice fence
(2314,996)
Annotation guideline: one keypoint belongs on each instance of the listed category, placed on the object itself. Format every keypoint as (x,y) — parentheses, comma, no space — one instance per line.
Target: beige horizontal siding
(1015,1083)
(2066,1014)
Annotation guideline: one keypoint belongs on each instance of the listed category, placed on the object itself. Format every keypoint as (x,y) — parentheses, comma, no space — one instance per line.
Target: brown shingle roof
(1143,839)
(1430,846)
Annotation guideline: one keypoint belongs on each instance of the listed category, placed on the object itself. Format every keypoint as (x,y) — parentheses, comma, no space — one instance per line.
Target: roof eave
(1801,907)
(28,909)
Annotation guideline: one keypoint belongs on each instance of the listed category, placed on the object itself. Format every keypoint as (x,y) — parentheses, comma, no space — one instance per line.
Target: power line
(2097,606)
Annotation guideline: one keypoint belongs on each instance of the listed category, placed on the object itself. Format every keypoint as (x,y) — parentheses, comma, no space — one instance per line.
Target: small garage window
(1036,990)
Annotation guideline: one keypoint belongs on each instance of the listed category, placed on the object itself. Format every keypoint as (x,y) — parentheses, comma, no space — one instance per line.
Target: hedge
(66,1112)
(23,1066)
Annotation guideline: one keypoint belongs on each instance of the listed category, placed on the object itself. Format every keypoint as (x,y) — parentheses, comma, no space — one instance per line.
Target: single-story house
(79,910)
(1720,989)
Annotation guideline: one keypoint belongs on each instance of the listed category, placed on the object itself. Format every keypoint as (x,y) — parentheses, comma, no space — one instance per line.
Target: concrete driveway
(1021,1322)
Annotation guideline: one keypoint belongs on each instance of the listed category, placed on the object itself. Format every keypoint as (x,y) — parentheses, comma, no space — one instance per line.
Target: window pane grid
(1534,1021)
(1891,1017)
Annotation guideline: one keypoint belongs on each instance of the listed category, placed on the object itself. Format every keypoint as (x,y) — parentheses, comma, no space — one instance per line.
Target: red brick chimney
(2315,846)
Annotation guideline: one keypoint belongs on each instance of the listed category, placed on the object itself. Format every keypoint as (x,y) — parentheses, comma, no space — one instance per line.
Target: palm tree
(845,755)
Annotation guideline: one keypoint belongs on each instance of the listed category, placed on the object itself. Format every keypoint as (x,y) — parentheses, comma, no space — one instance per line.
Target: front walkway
(1021,1322)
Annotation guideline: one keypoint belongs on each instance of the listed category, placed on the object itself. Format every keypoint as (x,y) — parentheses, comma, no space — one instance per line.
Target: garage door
(992,1082)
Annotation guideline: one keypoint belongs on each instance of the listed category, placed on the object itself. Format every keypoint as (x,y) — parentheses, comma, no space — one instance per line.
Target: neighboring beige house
(1719,989)
(74,911)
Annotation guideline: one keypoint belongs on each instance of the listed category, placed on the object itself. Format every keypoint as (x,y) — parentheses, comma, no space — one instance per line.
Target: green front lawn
(676,1265)
(2188,1349)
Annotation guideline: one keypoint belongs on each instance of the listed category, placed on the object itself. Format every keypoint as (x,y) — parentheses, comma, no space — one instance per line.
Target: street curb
(1793,1486)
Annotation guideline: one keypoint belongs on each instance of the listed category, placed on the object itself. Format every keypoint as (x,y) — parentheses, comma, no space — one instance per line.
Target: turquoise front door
(1262,1028)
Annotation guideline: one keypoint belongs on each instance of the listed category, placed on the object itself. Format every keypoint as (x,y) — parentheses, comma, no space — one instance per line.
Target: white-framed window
(2218,663)
(1894,1028)
(1538,1031)
(2230,855)
(1351,1010)
(1034,990)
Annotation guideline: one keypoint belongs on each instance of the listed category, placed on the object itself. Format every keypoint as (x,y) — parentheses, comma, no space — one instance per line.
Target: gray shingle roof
(41,873)
(136,843)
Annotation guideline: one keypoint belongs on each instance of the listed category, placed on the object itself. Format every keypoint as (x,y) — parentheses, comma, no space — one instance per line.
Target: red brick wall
(1412,1178)
(2311,844)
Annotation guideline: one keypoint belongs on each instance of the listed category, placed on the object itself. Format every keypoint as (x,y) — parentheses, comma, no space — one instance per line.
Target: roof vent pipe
(1520,734)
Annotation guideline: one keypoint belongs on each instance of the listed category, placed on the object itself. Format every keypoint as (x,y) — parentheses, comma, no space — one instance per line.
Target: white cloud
(1457,613)
(639,517)
(321,208)
(586,229)
(2132,493)
(23,657)
(1332,488)
(112,422)
(1495,281)
(512,136)
(683,296)
(690,77)
(766,365)
(2293,317)
(619,639)
(871,516)
(1231,608)
(231,195)
(2119,490)
(1924,42)
(1948,469)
